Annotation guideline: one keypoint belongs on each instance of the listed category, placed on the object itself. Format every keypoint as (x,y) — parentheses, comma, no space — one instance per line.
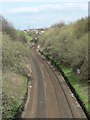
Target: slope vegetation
(68,46)
(15,73)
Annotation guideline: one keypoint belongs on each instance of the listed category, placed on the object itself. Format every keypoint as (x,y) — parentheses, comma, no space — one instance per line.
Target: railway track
(53,92)
(58,86)
(57,83)
(58,96)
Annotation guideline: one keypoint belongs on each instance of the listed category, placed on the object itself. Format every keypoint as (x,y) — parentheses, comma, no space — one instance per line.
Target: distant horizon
(34,14)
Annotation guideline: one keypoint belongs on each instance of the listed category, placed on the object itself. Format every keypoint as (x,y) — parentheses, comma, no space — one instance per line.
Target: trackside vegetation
(15,73)
(67,45)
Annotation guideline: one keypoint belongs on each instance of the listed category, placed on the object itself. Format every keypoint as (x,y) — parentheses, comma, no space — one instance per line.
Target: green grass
(28,37)
(80,86)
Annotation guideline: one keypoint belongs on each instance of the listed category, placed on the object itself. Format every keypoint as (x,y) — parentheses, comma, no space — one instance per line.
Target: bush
(14,54)
(22,38)
(61,24)
(8,28)
(15,59)
(69,44)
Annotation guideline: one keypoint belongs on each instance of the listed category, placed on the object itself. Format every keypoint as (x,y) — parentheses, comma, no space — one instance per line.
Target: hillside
(15,73)
(68,46)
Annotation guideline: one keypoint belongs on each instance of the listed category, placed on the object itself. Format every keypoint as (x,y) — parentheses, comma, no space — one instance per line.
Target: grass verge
(80,86)
(27,36)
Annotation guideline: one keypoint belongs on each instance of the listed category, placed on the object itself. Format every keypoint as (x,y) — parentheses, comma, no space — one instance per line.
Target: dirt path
(49,95)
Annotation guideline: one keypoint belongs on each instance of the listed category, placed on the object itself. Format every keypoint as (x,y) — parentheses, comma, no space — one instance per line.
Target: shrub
(22,38)
(69,44)
(8,28)
(14,54)
(15,57)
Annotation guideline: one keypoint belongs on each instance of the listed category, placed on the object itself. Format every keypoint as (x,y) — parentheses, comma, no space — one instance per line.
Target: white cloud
(48,7)
(35,9)
(82,6)
(46,13)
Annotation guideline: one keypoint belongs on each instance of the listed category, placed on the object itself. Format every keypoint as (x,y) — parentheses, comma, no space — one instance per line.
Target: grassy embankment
(68,46)
(15,72)
(27,36)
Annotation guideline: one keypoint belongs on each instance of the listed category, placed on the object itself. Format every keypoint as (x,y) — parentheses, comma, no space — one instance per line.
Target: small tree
(7,27)
(22,38)
(60,24)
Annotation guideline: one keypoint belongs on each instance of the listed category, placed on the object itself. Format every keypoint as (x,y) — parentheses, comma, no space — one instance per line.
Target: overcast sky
(25,14)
